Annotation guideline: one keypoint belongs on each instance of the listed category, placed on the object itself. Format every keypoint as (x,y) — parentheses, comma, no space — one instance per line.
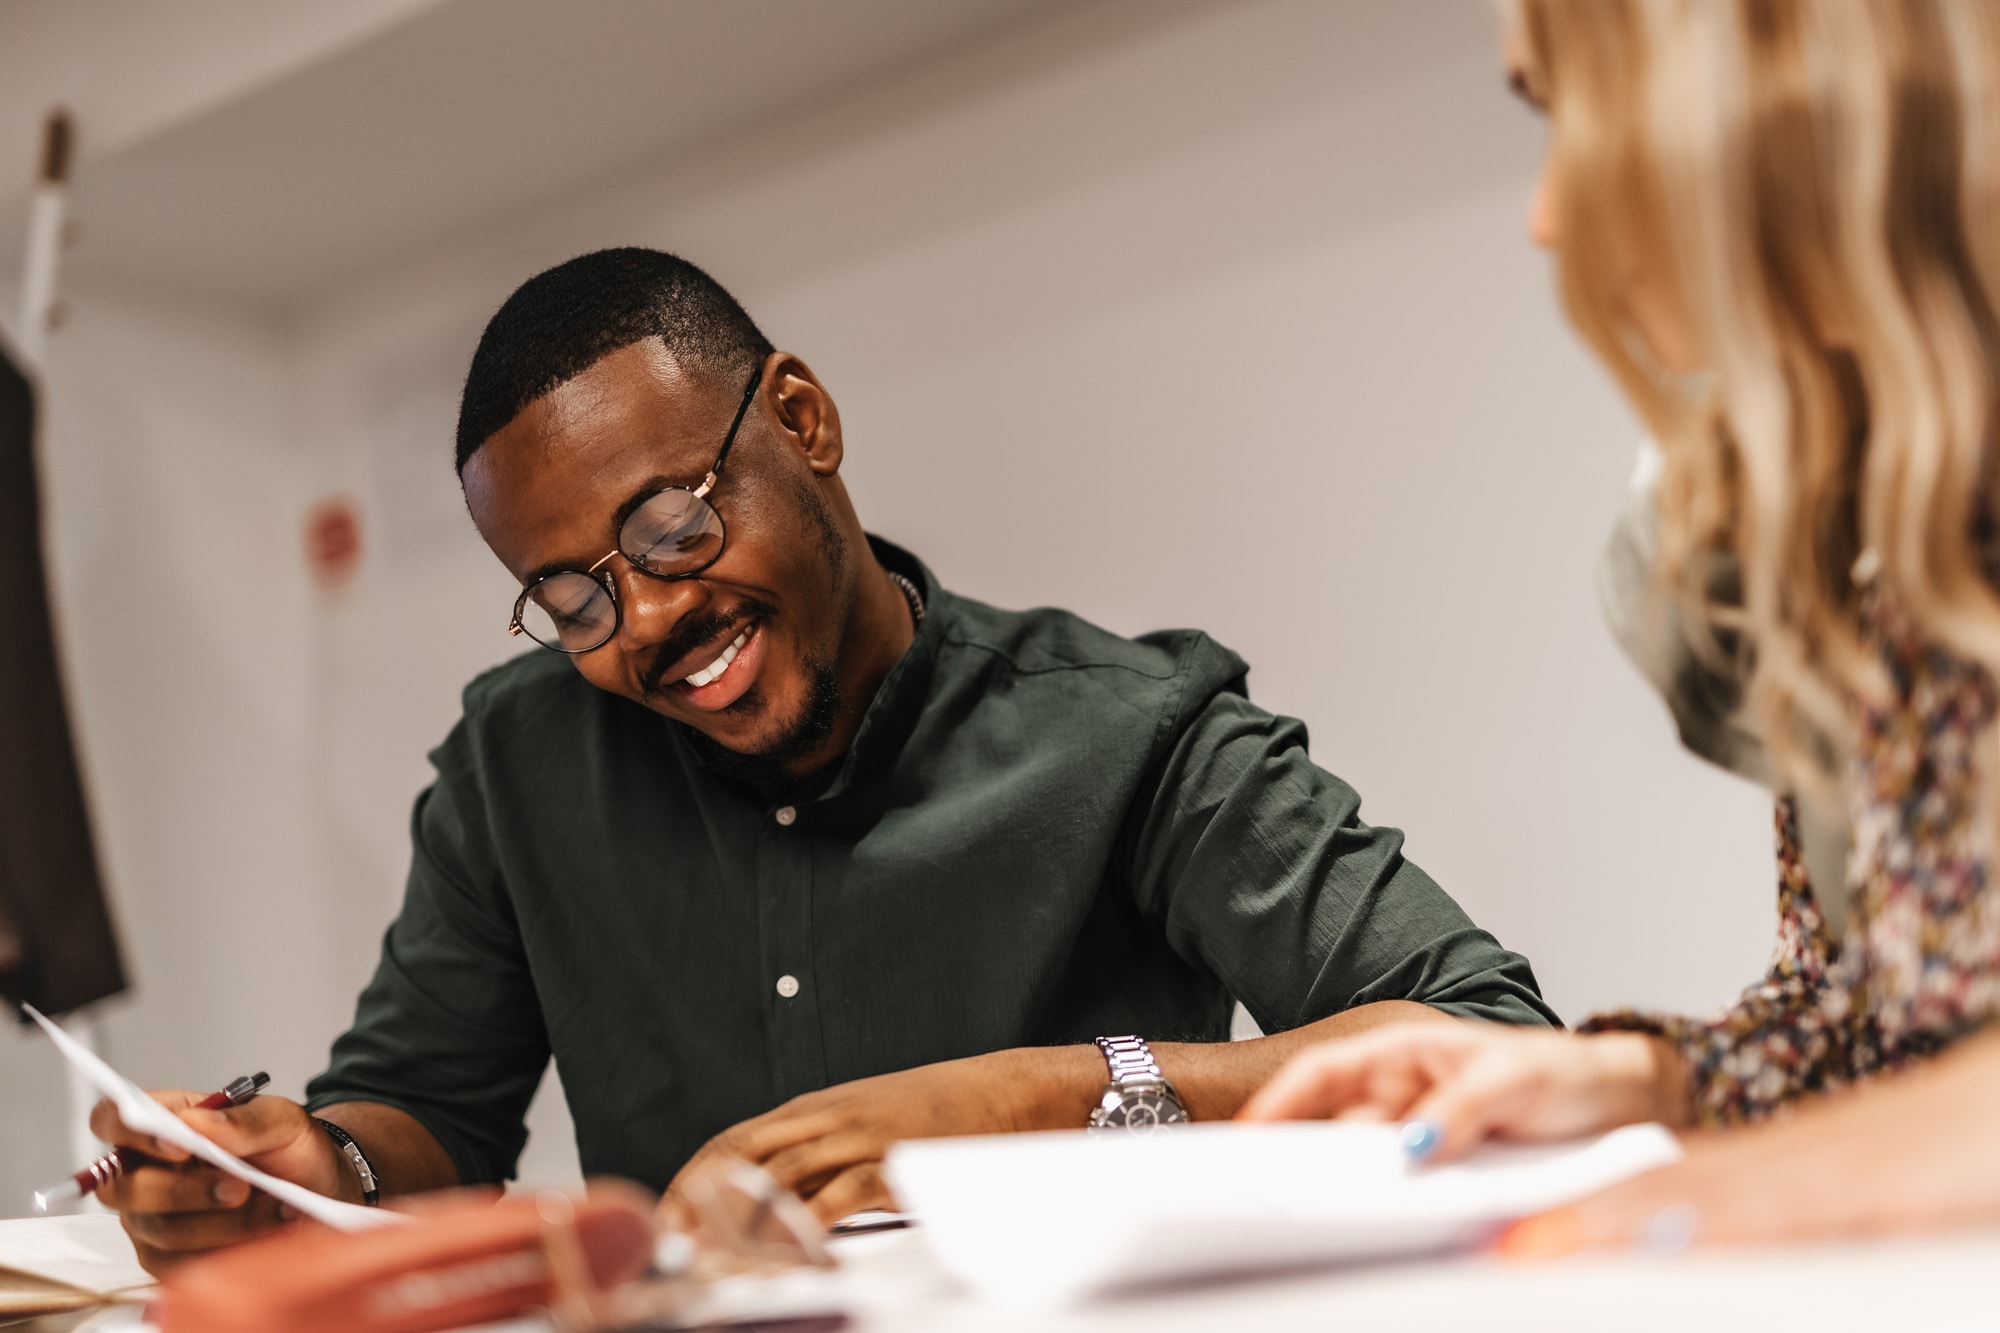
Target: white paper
(141,1112)
(1044,1219)
(89,1251)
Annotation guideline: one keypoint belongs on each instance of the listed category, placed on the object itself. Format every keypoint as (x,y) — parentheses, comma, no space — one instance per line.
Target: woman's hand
(1916,1150)
(1745,1187)
(1459,1084)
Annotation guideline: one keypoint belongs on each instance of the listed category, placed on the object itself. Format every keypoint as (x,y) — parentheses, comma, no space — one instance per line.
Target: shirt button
(785,816)
(788,985)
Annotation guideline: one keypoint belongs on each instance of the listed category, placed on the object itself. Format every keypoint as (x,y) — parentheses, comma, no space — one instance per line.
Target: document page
(1044,1219)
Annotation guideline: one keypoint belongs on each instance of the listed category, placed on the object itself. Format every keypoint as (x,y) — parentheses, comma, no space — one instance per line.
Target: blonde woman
(1778,223)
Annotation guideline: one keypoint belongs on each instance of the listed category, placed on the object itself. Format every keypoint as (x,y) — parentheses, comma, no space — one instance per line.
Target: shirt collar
(899,701)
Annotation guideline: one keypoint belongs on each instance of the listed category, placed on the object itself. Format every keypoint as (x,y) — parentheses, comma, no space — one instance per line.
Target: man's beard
(768,767)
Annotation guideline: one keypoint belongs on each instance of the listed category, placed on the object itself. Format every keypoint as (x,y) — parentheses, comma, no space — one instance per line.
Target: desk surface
(1950,1284)
(1945,1284)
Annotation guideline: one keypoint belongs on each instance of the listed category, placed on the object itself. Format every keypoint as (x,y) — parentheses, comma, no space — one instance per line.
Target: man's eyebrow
(647,490)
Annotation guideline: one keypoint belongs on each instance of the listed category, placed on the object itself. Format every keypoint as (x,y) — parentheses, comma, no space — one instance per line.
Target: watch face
(1143,1110)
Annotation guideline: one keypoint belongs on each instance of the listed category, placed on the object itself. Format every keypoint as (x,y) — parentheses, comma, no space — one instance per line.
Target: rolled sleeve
(1258,867)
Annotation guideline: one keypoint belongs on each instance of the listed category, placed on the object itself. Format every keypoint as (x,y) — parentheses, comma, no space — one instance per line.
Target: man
(787,851)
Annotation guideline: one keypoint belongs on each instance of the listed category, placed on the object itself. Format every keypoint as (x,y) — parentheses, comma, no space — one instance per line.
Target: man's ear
(806,414)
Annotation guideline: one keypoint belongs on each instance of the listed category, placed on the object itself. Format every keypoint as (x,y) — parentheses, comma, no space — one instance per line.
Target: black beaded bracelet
(371,1192)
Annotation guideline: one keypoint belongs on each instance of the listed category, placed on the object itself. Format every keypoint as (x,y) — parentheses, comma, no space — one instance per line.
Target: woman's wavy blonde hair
(1813,188)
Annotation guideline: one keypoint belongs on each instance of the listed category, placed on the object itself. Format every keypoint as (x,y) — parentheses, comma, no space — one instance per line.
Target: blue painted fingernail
(1421,1139)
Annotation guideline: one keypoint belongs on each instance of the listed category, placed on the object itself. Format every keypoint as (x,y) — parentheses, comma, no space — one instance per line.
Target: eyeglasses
(674,533)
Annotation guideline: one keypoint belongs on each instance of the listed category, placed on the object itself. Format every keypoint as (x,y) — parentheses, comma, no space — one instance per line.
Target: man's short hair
(559,323)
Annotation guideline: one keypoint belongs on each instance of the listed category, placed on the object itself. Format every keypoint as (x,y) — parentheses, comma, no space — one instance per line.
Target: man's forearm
(1063,1083)
(406,1157)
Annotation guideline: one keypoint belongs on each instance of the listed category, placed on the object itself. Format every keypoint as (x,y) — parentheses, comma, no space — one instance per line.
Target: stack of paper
(66,1263)
(1041,1219)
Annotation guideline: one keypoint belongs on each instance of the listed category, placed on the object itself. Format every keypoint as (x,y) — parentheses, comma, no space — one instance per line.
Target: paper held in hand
(141,1112)
(1044,1219)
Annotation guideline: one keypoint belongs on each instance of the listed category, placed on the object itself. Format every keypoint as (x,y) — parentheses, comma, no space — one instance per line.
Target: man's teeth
(721,664)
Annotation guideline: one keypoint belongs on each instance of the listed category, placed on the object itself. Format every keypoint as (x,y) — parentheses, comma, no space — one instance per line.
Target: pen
(112,1165)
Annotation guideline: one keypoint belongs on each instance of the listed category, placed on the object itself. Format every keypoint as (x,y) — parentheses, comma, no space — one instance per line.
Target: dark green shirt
(1043,833)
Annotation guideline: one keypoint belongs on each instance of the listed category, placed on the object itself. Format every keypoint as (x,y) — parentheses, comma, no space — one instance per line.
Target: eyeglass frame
(602,577)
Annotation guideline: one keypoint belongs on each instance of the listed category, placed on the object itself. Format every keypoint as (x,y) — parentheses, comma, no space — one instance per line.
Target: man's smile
(721,664)
(725,673)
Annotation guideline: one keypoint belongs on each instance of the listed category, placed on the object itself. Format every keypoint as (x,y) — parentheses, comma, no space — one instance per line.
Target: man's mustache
(692,633)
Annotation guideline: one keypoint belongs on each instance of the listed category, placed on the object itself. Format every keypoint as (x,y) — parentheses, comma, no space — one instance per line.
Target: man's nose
(652,606)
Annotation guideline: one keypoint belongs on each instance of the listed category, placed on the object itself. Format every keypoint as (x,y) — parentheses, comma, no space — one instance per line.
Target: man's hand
(1470,1082)
(827,1147)
(174,1206)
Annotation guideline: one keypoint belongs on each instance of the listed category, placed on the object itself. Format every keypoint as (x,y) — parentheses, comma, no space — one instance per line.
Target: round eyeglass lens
(570,612)
(674,532)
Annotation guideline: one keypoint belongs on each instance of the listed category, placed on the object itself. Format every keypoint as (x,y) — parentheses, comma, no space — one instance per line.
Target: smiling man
(782,849)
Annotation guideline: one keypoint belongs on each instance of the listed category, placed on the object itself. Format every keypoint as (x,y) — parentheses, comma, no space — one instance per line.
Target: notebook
(48,1264)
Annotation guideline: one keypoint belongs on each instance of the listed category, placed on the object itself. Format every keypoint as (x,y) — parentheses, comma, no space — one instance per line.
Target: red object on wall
(333,542)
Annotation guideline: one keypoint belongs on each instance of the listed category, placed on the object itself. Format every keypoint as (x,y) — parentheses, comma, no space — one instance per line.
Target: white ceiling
(451,116)
(129,69)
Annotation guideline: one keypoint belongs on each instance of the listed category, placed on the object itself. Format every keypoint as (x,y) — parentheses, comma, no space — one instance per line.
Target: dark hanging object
(57,947)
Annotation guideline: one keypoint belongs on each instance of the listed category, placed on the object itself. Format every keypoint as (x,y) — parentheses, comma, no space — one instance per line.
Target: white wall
(173,490)
(1223,318)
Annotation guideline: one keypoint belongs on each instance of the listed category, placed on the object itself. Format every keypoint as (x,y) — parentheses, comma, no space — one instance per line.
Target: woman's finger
(1394,1086)
(1657,1212)
(1333,1077)
(1329,1078)
(1482,1099)
(1320,1081)
(1746,1187)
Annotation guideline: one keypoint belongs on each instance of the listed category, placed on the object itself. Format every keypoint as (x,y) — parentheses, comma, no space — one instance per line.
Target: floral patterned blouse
(1919,963)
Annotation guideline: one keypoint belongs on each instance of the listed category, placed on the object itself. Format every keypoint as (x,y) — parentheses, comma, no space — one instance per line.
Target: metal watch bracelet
(1130,1060)
(1139,1098)
(371,1190)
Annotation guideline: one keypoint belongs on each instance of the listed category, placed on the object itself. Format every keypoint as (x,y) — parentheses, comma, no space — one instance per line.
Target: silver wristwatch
(1138,1098)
